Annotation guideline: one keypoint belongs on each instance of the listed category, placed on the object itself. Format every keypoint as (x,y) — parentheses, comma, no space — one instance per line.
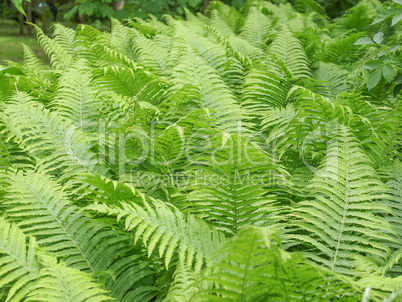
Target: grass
(11,43)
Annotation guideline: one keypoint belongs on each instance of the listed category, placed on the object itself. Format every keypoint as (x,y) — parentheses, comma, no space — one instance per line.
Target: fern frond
(340,50)
(210,52)
(289,49)
(335,77)
(119,38)
(215,94)
(196,21)
(144,26)
(298,183)
(182,288)
(58,145)
(58,282)
(64,36)
(278,118)
(360,16)
(392,175)
(32,63)
(41,208)
(256,29)
(263,90)
(308,7)
(230,48)
(229,185)
(164,225)
(312,115)
(381,288)
(59,57)
(252,267)
(384,144)
(153,24)
(319,108)
(105,56)
(345,215)
(12,156)
(219,24)
(85,37)
(76,97)
(148,53)
(138,84)
(19,263)
(5,157)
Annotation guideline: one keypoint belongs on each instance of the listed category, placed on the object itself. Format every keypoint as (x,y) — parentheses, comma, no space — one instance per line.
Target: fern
(41,208)
(385,142)
(289,49)
(336,78)
(218,98)
(240,174)
(167,227)
(19,261)
(64,36)
(169,159)
(252,267)
(31,274)
(348,195)
(76,100)
(256,28)
(59,57)
(57,282)
(148,52)
(57,144)
(85,38)
(263,90)
(182,289)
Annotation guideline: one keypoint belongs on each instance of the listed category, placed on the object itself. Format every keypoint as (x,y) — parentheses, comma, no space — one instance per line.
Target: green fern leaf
(57,144)
(40,207)
(263,90)
(230,185)
(19,264)
(59,57)
(289,49)
(256,28)
(163,225)
(64,36)
(252,267)
(217,97)
(345,217)
(57,282)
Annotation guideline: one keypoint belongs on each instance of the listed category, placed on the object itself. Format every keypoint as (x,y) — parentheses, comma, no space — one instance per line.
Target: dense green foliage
(237,156)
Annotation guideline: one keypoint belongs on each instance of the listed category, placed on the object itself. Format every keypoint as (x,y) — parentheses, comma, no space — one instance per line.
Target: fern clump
(238,155)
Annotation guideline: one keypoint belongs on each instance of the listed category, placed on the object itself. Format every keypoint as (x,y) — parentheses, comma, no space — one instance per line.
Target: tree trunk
(79,18)
(117,5)
(21,22)
(206,3)
(29,15)
(43,16)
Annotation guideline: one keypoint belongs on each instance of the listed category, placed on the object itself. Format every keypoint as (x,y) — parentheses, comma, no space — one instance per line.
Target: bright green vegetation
(239,156)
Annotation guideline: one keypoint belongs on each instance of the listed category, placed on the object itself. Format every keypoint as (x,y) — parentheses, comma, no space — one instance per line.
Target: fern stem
(246,268)
(344,211)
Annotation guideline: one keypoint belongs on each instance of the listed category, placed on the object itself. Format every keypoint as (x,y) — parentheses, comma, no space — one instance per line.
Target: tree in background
(137,8)
(88,11)
(100,9)
(336,8)
(33,11)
